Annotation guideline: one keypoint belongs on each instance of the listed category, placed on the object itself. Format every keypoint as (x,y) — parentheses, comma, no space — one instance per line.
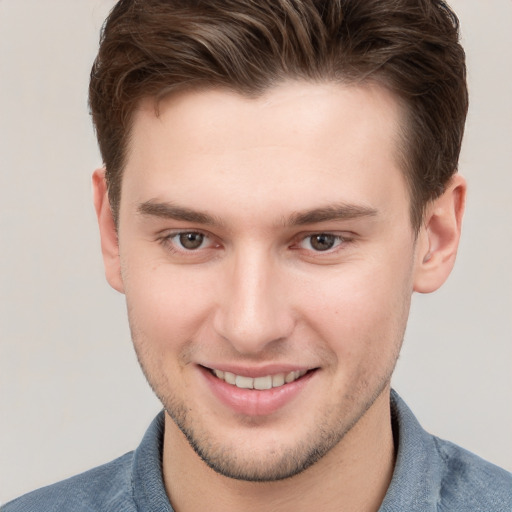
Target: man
(280,177)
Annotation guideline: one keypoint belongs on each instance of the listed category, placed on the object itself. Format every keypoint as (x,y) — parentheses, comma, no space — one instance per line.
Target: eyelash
(340,242)
(167,241)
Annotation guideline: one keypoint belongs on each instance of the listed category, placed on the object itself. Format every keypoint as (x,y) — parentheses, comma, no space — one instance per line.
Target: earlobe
(439,236)
(108,232)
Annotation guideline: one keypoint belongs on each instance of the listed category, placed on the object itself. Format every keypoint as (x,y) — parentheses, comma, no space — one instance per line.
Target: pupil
(191,240)
(322,242)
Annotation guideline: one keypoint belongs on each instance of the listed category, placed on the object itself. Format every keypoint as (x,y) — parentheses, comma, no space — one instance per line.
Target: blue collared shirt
(430,475)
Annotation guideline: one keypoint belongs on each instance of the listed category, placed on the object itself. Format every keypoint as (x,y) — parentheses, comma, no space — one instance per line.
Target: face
(267,258)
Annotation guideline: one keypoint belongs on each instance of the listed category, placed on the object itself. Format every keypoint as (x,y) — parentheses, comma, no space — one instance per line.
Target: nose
(253,310)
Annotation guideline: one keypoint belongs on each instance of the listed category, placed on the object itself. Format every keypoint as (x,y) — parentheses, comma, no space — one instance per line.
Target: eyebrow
(331,212)
(168,210)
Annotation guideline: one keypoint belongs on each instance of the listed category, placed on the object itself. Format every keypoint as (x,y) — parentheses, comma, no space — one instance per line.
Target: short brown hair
(150,48)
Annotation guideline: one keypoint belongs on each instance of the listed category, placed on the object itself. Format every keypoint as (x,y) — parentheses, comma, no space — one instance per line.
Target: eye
(187,241)
(190,241)
(321,242)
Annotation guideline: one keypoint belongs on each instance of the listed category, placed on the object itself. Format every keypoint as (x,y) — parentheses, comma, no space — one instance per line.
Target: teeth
(290,377)
(260,383)
(230,378)
(277,380)
(244,382)
(263,382)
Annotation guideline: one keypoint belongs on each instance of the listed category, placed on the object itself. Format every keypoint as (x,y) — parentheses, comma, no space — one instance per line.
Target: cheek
(361,311)
(166,304)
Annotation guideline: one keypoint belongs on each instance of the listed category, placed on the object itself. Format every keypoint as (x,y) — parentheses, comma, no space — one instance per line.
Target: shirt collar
(414,485)
(417,474)
(147,475)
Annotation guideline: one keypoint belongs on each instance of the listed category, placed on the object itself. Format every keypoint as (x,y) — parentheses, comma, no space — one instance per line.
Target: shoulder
(127,484)
(471,481)
(438,476)
(106,488)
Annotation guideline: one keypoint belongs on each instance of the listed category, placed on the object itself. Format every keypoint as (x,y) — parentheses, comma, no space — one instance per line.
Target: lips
(256,391)
(259,383)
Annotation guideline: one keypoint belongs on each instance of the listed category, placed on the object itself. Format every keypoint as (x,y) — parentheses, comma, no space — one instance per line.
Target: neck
(354,475)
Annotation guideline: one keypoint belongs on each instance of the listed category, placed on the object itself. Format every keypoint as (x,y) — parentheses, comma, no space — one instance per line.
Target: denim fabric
(435,475)
(430,475)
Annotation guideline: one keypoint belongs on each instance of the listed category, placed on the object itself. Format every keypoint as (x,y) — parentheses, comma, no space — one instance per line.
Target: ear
(439,236)
(108,232)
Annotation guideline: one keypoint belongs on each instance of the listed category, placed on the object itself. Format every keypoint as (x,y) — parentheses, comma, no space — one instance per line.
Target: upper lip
(257,371)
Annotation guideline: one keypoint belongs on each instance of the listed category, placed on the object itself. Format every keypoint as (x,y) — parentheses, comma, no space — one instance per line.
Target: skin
(257,180)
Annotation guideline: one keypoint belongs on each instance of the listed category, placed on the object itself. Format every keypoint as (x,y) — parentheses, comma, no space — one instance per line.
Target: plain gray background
(71,393)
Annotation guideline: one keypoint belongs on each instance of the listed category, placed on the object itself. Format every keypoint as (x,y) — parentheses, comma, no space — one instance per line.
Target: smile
(259,383)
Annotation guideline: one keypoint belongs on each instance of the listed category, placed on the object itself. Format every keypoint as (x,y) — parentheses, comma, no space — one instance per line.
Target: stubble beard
(225,460)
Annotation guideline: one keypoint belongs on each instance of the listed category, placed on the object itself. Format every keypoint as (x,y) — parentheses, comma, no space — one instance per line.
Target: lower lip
(253,402)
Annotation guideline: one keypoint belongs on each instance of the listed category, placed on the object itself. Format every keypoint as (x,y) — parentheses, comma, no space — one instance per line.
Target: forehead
(304,140)
(294,105)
